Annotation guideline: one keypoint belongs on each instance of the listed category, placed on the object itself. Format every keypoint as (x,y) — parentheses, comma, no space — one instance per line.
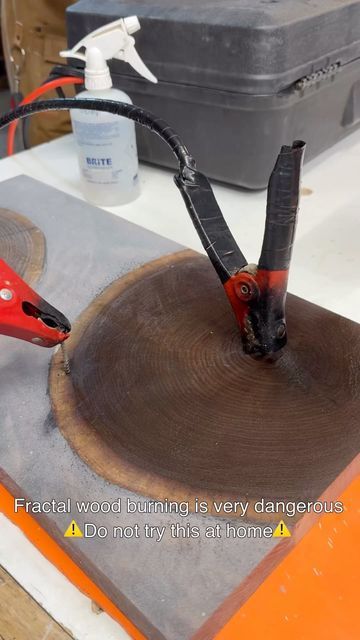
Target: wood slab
(161,399)
(22,245)
(168,589)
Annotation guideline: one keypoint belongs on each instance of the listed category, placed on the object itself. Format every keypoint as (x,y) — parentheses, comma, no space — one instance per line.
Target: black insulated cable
(145,118)
(195,188)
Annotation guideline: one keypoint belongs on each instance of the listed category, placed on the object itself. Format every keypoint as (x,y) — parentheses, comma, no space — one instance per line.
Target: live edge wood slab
(161,399)
(155,343)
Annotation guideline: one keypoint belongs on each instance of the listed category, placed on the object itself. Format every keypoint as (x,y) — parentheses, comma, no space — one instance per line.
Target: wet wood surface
(162,400)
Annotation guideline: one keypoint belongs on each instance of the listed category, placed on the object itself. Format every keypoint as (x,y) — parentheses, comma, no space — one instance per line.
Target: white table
(325,270)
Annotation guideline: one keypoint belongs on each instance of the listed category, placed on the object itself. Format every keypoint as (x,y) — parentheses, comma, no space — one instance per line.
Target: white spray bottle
(106,143)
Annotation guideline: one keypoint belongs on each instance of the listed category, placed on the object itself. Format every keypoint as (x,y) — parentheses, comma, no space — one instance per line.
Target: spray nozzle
(113,40)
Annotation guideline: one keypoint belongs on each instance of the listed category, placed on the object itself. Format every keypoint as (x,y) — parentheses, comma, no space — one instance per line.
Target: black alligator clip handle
(257,293)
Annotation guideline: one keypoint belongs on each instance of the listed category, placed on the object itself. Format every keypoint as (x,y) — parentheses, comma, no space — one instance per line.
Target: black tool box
(238,78)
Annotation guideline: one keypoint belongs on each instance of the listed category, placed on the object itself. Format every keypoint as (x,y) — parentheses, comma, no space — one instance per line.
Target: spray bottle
(106,143)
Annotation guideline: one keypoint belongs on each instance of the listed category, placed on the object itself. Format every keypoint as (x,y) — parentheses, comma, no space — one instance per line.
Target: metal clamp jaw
(257,293)
(27,316)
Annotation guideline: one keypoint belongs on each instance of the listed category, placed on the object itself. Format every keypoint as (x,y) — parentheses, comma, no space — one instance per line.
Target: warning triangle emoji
(73,531)
(281,531)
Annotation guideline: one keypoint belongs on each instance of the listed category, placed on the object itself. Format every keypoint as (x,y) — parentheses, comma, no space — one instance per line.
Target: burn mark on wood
(161,399)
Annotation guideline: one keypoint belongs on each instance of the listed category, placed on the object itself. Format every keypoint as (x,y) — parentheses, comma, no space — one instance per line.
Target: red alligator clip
(27,316)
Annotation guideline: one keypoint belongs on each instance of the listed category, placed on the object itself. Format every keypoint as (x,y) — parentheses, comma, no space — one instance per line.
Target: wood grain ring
(22,245)
(162,401)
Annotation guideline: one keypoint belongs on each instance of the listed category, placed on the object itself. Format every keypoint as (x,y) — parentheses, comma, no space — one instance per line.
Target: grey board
(87,249)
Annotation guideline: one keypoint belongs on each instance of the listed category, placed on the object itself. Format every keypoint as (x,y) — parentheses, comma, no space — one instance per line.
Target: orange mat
(314,592)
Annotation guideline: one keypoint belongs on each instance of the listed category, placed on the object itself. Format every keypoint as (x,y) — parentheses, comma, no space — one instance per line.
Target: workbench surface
(326,256)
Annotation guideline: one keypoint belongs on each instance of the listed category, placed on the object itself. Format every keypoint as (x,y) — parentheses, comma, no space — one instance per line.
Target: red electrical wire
(48,86)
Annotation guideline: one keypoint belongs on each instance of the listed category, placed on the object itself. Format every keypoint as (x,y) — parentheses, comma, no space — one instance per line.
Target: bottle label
(107,148)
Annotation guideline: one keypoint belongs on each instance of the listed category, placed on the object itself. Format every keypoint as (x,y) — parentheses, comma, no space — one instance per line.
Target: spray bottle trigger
(114,40)
(131,56)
